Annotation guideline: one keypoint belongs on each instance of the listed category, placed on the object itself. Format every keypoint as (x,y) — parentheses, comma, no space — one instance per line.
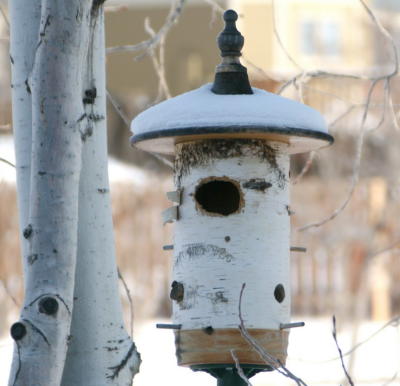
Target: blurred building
(331,35)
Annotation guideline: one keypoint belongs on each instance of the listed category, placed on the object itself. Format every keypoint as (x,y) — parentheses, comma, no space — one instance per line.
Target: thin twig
(151,43)
(215,6)
(128,295)
(320,74)
(392,322)
(385,33)
(8,292)
(356,167)
(383,250)
(341,116)
(126,120)
(260,70)
(340,351)
(306,167)
(327,74)
(7,162)
(269,359)
(279,40)
(158,64)
(391,107)
(239,368)
(118,108)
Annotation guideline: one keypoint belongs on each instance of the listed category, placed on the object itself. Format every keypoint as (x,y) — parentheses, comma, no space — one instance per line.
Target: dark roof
(388,5)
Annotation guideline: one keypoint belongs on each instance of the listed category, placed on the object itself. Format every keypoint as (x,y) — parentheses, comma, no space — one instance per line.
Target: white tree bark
(100,351)
(56,87)
(25,19)
(59,106)
(61,65)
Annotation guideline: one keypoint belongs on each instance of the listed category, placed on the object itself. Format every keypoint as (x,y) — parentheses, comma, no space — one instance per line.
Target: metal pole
(230,377)
(227,375)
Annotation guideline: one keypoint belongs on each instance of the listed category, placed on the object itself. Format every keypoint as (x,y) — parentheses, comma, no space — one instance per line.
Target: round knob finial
(230,15)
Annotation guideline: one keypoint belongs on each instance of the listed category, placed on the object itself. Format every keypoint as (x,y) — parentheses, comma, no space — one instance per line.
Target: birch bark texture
(100,351)
(233,228)
(61,198)
(25,16)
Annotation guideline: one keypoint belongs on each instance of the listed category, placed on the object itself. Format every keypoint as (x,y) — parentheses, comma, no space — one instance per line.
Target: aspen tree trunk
(25,16)
(64,210)
(100,351)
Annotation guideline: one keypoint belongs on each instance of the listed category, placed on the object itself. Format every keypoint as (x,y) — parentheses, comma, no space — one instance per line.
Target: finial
(231,77)
(230,40)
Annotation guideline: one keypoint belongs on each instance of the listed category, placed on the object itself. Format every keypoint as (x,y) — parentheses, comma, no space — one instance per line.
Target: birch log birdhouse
(232,145)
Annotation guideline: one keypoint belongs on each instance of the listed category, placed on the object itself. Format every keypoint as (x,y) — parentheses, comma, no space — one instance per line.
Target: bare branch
(340,351)
(270,360)
(392,322)
(151,43)
(126,120)
(279,40)
(118,109)
(8,292)
(128,295)
(386,34)
(216,7)
(341,116)
(356,167)
(305,168)
(383,250)
(239,369)
(158,64)
(7,162)
(259,70)
(391,107)
(321,74)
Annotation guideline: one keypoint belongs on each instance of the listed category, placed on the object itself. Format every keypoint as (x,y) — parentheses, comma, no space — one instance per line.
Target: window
(320,37)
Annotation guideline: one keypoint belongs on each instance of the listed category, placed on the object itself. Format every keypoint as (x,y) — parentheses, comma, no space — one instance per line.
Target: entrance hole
(218,196)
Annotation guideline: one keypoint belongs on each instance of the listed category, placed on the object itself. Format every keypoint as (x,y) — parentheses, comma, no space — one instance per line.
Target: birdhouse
(231,144)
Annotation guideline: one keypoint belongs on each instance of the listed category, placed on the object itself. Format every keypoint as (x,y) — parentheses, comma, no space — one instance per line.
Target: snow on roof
(201,108)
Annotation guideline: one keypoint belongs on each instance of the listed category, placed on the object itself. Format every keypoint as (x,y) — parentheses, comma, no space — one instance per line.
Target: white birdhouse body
(221,245)
(233,228)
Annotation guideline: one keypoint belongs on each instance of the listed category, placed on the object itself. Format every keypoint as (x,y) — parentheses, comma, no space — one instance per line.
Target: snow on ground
(7,172)
(311,350)
(118,171)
